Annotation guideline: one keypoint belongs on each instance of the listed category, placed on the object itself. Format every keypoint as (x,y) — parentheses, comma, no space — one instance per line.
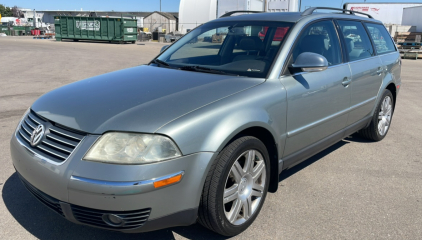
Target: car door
(366,69)
(317,101)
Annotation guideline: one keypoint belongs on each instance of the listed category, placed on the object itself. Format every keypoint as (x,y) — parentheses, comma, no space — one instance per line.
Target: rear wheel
(381,120)
(236,187)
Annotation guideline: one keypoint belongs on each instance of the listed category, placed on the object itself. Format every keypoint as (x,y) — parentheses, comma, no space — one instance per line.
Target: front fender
(210,128)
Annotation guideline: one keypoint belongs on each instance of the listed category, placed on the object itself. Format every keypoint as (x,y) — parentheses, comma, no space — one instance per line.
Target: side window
(358,44)
(320,38)
(381,38)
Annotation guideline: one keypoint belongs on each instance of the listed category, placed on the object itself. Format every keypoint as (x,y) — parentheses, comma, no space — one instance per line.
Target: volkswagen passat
(202,132)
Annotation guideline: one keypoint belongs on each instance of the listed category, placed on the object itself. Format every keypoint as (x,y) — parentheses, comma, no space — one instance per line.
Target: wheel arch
(265,136)
(391,86)
(393,89)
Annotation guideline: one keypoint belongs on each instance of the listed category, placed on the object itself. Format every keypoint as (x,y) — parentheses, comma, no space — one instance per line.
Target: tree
(17,13)
(5,11)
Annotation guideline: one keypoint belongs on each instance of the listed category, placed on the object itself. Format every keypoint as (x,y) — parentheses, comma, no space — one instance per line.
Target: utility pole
(160,5)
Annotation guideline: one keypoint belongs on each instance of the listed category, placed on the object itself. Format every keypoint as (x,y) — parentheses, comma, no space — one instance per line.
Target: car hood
(139,99)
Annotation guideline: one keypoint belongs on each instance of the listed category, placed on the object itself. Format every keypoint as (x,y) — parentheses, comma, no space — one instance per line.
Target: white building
(413,16)
(195,12)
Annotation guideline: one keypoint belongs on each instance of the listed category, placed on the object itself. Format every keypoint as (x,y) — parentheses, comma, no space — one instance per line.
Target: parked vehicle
(171,37)
(203,131)
(278,36)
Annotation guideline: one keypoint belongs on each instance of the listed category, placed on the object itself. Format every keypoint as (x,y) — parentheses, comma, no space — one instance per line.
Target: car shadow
(43,223)
(291,171)
(357,138)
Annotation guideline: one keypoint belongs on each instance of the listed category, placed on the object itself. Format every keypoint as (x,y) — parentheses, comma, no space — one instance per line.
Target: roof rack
(309,11)
(228,14)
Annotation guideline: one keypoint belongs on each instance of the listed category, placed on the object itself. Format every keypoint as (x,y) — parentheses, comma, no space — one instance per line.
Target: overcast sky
(144,5)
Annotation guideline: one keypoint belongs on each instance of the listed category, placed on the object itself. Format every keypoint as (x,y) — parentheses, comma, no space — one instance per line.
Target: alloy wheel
(384,115)
(244,187)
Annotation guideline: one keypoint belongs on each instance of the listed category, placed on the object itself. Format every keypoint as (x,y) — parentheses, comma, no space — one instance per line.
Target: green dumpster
(96,29)
(5,30)
(18,30)
(28,30)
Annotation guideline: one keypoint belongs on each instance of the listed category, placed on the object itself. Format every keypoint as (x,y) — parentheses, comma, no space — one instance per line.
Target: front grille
(57,143)
(47,200)
(94,217)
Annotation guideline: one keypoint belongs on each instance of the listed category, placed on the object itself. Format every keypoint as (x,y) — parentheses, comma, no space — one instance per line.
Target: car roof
(292,17)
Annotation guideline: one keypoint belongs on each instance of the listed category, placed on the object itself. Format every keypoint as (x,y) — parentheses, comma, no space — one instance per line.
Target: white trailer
(224,6)
(413,16)
(9,19)
(282,6)
(195,12)
(388,13)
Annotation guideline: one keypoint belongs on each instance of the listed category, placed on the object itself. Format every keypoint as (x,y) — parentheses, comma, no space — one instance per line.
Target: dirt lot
(353,190)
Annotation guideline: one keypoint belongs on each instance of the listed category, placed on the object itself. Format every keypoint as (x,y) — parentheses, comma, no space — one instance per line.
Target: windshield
(239,48)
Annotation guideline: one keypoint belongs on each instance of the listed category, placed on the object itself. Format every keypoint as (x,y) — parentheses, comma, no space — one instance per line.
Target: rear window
(381,38)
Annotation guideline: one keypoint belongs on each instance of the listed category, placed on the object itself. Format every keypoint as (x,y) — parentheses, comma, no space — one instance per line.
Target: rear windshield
(240,48)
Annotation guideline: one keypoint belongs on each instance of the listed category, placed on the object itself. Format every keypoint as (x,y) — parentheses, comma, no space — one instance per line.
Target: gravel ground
(353,190)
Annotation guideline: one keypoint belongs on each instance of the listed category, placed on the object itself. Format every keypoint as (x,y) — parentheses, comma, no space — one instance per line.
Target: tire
(381,121)
(227,174)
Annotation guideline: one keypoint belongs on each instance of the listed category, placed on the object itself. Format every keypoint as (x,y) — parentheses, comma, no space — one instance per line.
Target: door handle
(346,81)
(380,70)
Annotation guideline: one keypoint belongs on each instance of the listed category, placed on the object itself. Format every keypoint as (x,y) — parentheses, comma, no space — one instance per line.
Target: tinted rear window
(382,40)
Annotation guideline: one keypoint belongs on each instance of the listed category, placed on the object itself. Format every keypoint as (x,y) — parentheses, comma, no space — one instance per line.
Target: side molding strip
(305,153)
(314,124)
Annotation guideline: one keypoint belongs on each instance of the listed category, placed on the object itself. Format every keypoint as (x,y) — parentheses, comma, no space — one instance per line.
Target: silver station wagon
(203,131)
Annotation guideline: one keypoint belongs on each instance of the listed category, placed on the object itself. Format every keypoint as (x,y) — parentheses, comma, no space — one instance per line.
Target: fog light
(113,220)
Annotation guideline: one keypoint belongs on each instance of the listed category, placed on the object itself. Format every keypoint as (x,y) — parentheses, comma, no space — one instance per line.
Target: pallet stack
(407,37)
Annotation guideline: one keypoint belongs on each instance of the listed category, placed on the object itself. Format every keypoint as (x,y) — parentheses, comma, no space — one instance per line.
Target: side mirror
(310,62)
(164,48)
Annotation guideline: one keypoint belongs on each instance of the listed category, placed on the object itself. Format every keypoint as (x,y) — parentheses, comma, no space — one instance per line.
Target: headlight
(132,148)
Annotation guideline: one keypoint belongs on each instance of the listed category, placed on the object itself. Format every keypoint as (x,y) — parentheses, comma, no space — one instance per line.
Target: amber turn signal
(168,181)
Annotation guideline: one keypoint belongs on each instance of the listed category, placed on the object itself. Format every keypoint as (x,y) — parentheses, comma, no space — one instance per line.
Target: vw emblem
(37,135)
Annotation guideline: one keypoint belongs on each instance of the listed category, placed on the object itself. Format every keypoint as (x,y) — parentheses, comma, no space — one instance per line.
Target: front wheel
(236,187)
(381,120)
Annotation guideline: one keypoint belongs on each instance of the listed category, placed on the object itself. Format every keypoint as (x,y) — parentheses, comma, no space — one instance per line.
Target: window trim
(370,38)
(342,41)
(272,67)
(367,29)
(289,56)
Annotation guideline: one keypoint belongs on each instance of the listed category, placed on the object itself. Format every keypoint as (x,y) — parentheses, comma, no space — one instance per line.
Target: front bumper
(118,189)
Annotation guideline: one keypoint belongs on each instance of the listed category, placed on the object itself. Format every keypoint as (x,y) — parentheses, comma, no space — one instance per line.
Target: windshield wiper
(205,70)
(159,62)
